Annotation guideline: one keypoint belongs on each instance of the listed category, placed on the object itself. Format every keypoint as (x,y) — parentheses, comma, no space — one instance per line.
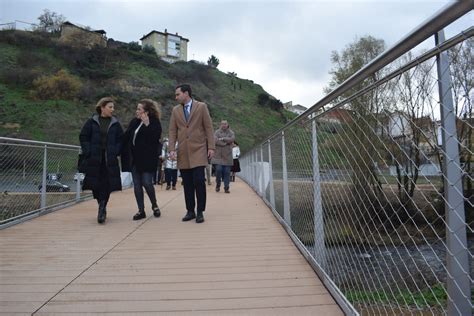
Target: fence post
(43,181)
(270,176)
(286,196)
(459,291)
(255,170)
(319,248)
(262,173)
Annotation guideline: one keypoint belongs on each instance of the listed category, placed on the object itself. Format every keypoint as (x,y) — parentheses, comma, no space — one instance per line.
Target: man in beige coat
(224,138)
(191,126)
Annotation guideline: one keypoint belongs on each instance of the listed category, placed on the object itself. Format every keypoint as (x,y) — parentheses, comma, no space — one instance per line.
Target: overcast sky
(285,46)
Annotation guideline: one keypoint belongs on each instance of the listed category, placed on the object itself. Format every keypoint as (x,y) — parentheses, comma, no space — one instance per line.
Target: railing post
(43,180)
(255,170)
(319,248)
(459,291)
(270,176)
(262,174)
(286,197)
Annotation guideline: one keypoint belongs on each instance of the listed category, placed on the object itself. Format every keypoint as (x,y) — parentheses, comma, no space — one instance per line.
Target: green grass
(8,55)
(126,75)
(434,297)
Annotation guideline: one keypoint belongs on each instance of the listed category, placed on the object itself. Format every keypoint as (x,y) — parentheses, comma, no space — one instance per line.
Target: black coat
(146,151)
(91,148)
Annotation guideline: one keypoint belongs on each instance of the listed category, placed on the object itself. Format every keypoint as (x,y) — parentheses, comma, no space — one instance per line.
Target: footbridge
(363,204)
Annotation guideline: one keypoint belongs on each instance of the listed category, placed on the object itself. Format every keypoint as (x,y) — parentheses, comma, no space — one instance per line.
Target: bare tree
(365,109)
(415,141)
(50,21)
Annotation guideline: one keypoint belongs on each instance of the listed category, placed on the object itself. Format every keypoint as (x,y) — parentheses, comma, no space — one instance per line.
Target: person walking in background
(235,156)
(171,167)
(142,143)
(224,138)
(101,144)
(191,126)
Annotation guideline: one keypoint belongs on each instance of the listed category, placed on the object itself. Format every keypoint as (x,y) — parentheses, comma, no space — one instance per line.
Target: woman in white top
(236,166)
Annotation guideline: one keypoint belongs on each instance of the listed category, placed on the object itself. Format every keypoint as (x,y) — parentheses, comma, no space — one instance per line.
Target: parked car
(55,186)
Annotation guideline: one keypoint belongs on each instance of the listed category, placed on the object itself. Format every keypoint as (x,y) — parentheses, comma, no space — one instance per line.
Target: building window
(174,47)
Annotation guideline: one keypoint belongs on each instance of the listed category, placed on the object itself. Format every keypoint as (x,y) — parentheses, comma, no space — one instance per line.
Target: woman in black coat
(101,143)
(142,146)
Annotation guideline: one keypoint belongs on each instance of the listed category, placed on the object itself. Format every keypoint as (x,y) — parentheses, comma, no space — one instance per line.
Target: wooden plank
(239,261)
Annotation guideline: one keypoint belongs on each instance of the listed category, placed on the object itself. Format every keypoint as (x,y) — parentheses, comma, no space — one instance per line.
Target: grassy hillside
(47,90)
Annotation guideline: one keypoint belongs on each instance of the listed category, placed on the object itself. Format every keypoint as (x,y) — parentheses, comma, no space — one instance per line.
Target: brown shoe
(174,187)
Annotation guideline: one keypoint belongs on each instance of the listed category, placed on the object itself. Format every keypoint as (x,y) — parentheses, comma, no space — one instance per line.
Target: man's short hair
(185,87)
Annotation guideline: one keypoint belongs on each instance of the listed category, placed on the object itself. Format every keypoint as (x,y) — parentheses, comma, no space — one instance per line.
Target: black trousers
(102,193)
(194,185)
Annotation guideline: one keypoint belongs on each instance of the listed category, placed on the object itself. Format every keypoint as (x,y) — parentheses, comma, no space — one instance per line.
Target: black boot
(102,215)
(156,211)
(140,214)
(199,217)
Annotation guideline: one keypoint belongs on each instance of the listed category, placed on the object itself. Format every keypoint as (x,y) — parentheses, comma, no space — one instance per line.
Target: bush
(263,98)
(58,86)
(148,49)
(135,46)
(20,77)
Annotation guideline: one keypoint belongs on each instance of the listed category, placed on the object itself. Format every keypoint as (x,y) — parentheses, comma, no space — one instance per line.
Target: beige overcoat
(195,137)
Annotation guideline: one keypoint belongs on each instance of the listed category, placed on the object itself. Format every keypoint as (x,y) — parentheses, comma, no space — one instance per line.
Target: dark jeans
(103,191)
(222,172)
(143,180)
(194,185)
(171,175)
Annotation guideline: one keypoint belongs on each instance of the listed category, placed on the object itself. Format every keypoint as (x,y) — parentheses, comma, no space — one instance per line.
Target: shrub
(148,49)
(20,76)
(263,98)
(135,46)
(61,85)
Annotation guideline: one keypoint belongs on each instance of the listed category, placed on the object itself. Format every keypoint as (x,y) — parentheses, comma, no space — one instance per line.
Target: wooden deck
(240,261)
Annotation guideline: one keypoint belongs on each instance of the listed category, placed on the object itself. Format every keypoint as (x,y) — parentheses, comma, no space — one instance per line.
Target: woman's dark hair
(152,107)
(185,87)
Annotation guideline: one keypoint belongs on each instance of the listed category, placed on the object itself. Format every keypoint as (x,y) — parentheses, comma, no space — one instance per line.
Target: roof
(166,34)
(299,107)
(83,28)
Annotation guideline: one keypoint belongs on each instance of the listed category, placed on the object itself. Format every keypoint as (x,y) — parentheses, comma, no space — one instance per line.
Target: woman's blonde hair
(103,102)
(152,107)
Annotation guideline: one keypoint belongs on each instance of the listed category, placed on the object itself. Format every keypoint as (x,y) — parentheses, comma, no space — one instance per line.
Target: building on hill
(74,35)
(297,108)
(111,43)
(170,47)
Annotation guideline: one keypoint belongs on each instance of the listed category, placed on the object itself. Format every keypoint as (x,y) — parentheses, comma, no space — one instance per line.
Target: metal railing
(374,182)
(36,177)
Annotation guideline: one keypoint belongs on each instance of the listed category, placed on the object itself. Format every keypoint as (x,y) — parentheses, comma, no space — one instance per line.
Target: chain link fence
(374,184)
(36,177)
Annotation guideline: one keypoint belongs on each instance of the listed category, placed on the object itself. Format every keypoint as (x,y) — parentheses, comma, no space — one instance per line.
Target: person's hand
(172,155)
(145,119)
(210,153)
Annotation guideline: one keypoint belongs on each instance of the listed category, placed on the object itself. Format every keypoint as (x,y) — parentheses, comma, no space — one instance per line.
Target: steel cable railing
(36,177)
(376,189)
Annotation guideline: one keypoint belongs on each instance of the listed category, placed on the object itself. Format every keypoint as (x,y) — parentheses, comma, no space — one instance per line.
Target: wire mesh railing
(376,187)
(36,177)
